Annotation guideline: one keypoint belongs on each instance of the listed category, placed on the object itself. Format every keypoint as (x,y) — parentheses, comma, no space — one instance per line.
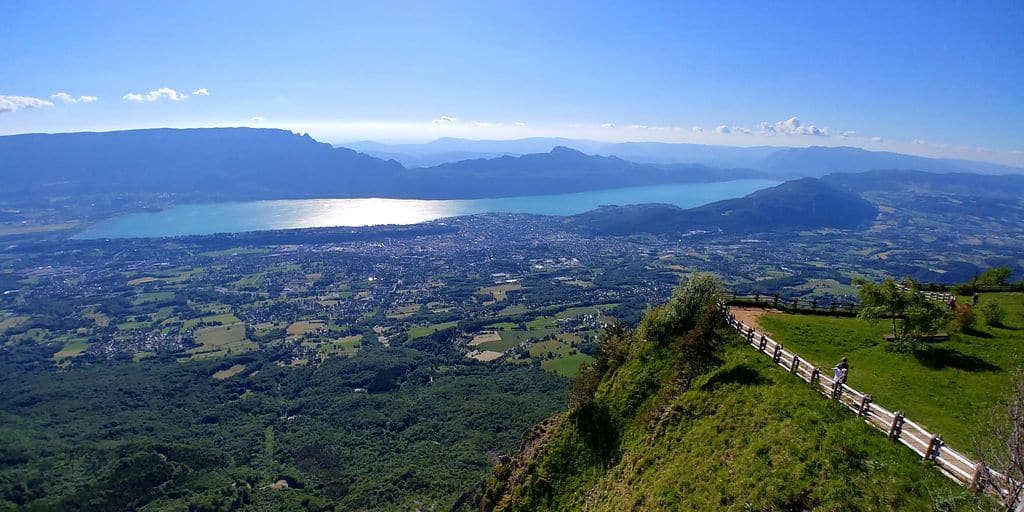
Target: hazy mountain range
(778,161)
(245,163)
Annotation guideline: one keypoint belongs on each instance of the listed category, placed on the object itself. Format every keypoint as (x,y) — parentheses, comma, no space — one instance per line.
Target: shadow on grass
(742,374)
(978,333)
(939,358)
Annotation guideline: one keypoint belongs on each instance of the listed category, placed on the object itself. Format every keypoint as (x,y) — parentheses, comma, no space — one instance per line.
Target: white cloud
(13,103)
(201,92)
(520,123)
(723,129)
(445,120)
(607,125)
(154,95)
(697,129)
(68,99)
(482,124)
(792,126)
(637,127)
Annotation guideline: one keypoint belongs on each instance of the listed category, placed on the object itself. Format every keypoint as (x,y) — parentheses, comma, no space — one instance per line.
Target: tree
(913,315)
(992,314)
(997,276)
(1005,450)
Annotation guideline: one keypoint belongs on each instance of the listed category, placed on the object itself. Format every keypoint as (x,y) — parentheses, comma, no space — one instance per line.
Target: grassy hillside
(951,387)
(740,435)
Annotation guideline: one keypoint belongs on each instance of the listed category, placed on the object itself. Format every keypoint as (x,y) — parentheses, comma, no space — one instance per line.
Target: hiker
(974,299)
(952,303)
(839,374)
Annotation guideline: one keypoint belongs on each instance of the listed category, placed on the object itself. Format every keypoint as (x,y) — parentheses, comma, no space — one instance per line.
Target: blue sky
(932,78)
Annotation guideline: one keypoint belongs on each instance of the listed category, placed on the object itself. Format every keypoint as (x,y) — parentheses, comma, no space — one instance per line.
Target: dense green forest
(679,415)
(383,430)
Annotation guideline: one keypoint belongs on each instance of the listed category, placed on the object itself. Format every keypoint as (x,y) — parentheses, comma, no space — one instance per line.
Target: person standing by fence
(839,374)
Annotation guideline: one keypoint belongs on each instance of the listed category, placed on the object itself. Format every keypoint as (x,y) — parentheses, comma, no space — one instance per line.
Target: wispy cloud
(10,104)
(607,125)
(256,120)
(723,129)
(697,129)
(445,120)
(202,91)
(520,123)
(68,99)
(154,95)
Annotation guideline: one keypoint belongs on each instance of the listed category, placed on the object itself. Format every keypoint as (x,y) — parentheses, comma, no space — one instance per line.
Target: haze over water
(235,217)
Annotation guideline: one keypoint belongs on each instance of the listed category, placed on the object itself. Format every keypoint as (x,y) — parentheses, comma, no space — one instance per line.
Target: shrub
(992,314)
(963,318)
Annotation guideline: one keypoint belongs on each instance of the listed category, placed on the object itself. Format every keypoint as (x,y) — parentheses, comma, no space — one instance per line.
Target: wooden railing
(942,297)
(795,304)
(895,424)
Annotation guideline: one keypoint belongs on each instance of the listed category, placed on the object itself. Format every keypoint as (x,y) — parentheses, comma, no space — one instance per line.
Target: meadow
(952,387)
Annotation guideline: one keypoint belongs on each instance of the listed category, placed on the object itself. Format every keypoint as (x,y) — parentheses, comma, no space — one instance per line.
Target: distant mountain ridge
(219,164)
(786,162)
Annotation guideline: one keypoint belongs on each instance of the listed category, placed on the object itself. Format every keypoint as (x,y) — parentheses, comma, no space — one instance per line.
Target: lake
(235,217)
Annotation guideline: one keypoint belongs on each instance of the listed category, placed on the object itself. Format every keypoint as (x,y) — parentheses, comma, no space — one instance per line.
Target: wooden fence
(942,297)
(773,300)
(895,424)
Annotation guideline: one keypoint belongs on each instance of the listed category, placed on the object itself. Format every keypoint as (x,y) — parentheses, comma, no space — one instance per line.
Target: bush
(963,318)
(992,314)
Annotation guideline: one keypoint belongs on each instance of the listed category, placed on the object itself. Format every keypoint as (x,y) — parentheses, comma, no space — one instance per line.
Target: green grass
(71,349)
(150,297)
(345,346)
(544,322)
(585,310)
(510,339)
(746,436)
(420,332)
(568,366)
(222,319)
(11,322)
(127,326)
(221,340)
(950,387)
(514,309)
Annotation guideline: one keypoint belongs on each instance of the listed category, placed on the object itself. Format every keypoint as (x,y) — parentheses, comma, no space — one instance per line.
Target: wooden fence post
(933,448)
(775,301)
(796,364)
(764,343)
(896,427)
(778,352)
(815,374)
(865,404)
(977,478)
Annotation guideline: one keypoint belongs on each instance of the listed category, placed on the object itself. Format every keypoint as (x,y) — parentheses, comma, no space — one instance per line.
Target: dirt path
(749,316)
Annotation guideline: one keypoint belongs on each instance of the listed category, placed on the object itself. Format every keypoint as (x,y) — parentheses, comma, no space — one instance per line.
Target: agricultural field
(347,346)
(420,332)
(500,292)
(952,387)
(220,341)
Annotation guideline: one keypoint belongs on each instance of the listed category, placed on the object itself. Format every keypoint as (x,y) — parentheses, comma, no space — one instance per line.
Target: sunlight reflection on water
(209,218)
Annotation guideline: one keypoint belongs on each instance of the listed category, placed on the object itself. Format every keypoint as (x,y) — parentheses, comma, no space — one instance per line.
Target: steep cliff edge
(676,416)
